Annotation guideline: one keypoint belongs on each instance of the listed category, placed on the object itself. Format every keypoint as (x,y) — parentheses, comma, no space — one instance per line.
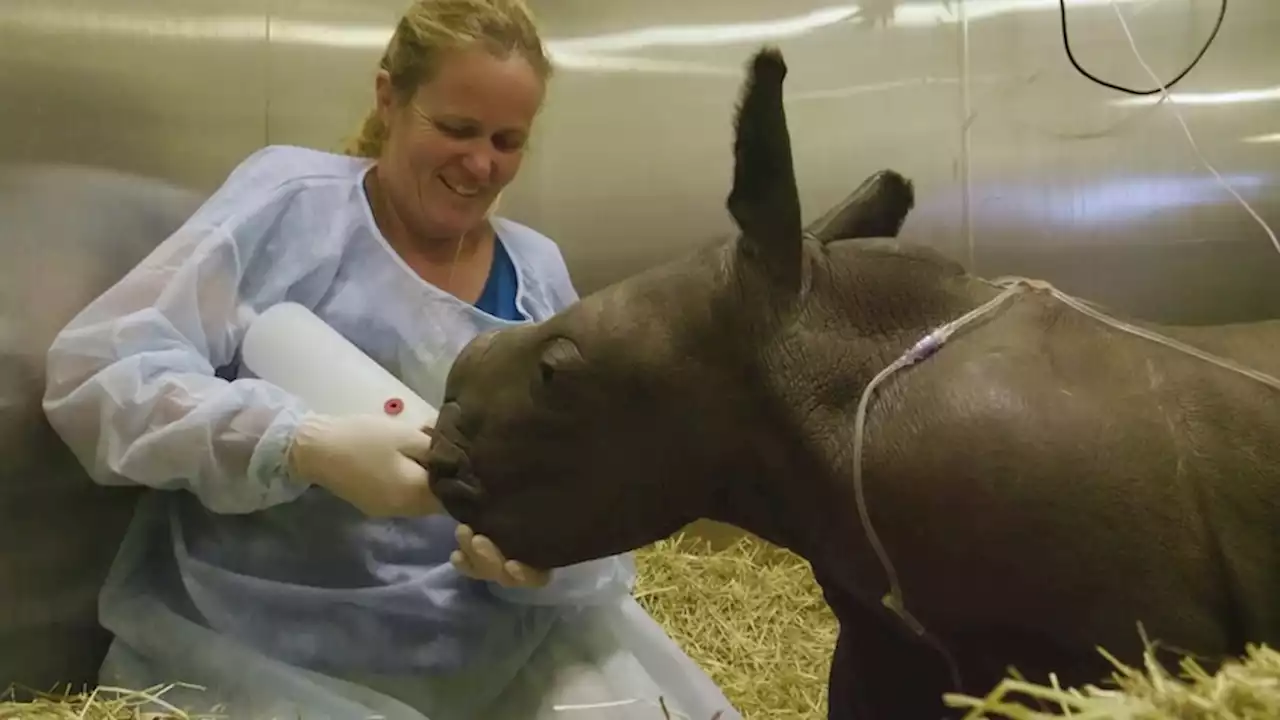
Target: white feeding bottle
(288,346)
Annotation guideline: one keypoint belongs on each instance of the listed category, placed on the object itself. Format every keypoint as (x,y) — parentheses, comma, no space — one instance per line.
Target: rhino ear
(765,202)
(877,208)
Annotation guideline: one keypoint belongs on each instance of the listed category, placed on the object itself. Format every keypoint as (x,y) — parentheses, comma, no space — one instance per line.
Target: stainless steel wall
(1022,166)
(1018,160)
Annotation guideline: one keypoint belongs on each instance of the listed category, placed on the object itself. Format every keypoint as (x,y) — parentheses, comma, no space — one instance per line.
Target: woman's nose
(479,163)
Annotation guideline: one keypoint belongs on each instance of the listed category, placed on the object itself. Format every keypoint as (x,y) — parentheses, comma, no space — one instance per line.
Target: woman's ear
(384,96)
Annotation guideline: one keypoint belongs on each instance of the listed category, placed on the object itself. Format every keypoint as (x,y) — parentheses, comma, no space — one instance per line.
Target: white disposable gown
(280,600)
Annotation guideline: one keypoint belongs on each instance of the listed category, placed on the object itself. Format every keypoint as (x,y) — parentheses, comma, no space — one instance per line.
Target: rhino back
(1047,476)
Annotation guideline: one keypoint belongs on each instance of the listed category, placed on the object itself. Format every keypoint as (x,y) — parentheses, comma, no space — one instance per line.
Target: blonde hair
(430,28)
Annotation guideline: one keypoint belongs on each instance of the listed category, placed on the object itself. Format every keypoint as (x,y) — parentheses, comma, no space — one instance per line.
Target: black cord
(1066,43)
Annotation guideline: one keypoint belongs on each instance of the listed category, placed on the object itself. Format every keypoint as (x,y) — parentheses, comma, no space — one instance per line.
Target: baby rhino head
(599,430)
(630,413)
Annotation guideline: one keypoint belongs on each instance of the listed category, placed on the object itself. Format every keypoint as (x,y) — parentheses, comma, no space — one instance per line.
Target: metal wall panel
(636,163)
(1101,192)
(1021,166)
(97,100)
(321,66)
(167,89)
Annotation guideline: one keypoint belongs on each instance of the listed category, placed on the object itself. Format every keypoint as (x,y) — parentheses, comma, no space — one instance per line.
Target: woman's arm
(131,383)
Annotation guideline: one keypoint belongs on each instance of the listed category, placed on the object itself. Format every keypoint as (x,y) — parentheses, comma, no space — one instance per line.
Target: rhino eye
(558,355)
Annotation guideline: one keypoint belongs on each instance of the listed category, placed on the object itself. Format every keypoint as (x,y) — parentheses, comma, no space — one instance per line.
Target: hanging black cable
(1066,43)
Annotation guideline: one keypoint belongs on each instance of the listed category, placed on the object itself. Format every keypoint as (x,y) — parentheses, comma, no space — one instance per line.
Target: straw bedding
(753,618)
(1247,688)
(751,615)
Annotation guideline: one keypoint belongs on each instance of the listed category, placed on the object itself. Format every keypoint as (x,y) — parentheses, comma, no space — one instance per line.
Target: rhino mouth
(450,476)
(459,498)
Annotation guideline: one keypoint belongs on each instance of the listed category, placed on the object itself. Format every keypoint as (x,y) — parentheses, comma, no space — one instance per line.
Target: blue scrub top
(499,296)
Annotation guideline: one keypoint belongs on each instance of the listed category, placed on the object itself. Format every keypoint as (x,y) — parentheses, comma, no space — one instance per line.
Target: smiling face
(459,139)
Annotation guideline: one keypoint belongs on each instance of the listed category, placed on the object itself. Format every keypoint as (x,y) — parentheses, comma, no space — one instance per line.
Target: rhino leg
(877,672)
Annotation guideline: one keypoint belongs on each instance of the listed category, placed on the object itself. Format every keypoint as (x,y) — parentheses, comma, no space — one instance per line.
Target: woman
(296,564)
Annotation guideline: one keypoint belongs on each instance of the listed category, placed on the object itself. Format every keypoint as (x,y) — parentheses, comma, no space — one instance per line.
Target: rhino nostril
(450,473)
(462,507)
(460,497)
(467,485)
(438,467)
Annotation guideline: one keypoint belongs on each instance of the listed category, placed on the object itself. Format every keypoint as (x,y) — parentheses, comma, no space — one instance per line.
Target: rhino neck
(772,489)
(792,481)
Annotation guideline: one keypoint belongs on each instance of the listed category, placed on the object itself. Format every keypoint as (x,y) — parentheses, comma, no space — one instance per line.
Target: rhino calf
(1042,484)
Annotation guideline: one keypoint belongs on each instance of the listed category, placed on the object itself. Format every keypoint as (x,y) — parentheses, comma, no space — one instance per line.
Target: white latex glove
(371,461)
(477,557)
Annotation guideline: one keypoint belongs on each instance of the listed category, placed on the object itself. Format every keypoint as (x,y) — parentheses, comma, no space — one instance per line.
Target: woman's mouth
(466,191)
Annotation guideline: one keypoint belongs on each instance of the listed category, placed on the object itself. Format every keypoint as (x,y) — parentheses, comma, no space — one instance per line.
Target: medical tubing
(921,350)
(1224,363)
(930,344)
(1182,121)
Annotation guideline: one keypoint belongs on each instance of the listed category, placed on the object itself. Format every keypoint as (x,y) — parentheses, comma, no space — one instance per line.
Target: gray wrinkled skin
(1042,484)
(68,233)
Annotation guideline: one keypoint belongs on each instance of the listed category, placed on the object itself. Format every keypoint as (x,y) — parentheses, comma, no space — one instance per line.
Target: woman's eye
(454,131)
(508,143)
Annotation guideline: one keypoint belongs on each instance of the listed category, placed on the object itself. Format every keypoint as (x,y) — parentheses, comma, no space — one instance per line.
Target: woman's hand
(477,557)
(371,461)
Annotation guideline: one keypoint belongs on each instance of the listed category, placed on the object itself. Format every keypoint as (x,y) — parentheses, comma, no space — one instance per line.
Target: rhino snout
(449,469)
(473,351)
